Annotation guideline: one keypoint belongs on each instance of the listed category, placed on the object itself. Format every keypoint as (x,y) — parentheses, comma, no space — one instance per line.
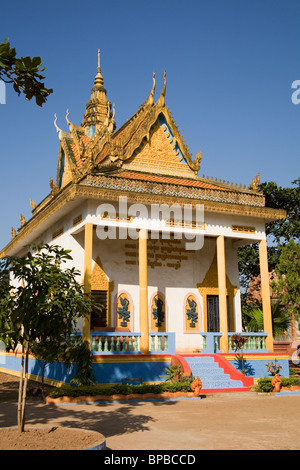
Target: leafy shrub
(264,385)
(78,352)
(119,389)
(175,373)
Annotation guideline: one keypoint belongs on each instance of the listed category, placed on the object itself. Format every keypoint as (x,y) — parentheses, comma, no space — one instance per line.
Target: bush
(175,373)
(264,385)
(119,389)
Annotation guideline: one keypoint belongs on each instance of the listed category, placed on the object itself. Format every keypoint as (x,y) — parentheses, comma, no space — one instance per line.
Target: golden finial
(52,186)
(255,182)
(33,204)
(111,126)
(150,99)
(13,233)
(98,78)
(198,160)
(114,112)
(22,220)
(161,99)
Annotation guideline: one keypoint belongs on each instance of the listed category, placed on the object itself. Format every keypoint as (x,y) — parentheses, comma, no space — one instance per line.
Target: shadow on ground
(114,421)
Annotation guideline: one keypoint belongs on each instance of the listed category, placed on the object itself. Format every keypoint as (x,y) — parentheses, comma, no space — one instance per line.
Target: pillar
(265,293)
(88,254)
(222,293)
(143,281)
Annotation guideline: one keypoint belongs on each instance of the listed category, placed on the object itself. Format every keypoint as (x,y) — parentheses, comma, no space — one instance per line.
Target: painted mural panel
(192,322)
(123,311)
(158,313)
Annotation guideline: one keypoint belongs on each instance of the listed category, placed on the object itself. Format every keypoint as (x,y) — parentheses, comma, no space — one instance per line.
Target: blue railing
(129,343)
(162,343)
(211,342)
(105,342)
(256,342)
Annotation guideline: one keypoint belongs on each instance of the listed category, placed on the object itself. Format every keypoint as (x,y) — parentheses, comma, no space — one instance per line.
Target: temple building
(155,242)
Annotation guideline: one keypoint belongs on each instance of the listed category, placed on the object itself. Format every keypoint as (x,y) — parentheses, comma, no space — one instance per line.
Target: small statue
(276,383)
(13,233)
(196,387)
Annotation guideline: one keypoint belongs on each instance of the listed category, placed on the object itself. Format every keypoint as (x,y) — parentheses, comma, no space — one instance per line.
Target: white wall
(175,282)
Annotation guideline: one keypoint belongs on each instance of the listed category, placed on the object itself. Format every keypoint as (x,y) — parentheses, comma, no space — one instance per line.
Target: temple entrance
(99,317)
(213,320)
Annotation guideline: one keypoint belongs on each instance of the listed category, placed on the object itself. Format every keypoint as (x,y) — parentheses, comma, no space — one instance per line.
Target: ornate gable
(159,152)
(148,145)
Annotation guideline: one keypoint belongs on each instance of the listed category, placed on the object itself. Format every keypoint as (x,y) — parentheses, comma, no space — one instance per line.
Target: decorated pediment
(150,142)
(148,145)
(159,149)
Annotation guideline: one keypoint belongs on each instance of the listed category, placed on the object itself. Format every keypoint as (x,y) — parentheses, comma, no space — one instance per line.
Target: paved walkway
(242,420)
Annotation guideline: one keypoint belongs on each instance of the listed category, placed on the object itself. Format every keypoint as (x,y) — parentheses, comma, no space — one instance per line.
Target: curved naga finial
(67,118)
(58,130)
(32,204)
(111,125)
(161,99)
(198,160)
(114,112)
(55,120)
(150,99)
(255,182)
(22,220)
(68,122)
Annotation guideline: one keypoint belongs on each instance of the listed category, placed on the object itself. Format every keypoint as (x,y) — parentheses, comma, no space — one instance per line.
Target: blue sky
(230,65)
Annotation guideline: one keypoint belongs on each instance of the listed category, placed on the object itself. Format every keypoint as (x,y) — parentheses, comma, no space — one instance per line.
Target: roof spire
(99,78)
(98,106)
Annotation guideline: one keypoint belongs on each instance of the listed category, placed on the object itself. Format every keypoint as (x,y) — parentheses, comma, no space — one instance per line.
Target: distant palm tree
(281,320)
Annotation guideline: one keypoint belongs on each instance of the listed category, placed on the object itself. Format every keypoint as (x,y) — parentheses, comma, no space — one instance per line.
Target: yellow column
(88,253)
(143,279)
(265,293)
(222,293)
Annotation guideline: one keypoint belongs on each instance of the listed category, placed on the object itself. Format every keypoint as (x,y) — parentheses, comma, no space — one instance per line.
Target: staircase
(217,374)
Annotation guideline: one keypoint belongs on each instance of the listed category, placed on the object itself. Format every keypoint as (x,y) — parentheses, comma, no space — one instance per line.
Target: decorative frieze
(201,194)
(243,229)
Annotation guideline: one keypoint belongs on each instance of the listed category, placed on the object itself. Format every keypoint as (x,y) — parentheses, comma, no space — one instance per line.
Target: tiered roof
(146,156)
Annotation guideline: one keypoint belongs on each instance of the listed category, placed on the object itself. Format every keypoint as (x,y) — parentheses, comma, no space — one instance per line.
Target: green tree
(4,280)
(46,304)
(70,350)
(279,232)
(78,352)
(287,286)
(253,319)
(24,73)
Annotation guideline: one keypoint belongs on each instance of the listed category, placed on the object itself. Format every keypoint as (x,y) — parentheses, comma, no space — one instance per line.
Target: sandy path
(219,421)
